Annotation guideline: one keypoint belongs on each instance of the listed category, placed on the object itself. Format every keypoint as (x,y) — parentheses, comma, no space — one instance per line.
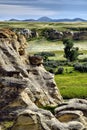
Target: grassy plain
(72,85)
(40,25)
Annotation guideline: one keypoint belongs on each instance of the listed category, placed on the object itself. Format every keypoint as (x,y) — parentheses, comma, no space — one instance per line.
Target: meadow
(41,25)
(71,85)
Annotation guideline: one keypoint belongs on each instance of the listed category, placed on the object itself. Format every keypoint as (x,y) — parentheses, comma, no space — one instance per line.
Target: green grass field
(41,25)
(72,85)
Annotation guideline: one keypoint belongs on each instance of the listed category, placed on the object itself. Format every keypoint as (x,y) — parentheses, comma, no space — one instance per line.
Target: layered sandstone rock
(22,84)
(73,110)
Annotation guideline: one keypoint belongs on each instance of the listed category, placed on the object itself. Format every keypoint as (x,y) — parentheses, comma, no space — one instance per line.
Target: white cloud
(37,8)
(23,10)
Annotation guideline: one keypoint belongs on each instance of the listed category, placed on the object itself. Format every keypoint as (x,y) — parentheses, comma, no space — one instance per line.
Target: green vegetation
(72,84)
(71,53)
(6,125)
(81,67)
(41,25)
(50,108)
(60,70)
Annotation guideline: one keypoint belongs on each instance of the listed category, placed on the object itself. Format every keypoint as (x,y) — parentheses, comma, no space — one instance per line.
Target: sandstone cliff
(26,87)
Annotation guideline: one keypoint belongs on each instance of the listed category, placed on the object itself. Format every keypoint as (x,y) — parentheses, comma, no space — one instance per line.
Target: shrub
(60,70)
(52,71)
(81,67)
(71,53)
(45,54)
(50,108)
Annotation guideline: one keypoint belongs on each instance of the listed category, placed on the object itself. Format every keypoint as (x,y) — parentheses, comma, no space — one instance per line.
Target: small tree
(71,53)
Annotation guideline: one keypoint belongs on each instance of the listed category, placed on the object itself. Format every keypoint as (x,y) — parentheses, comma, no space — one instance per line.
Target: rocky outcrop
(43,120)
(81,35)
(26,32)
(22,84)
(68,34)
(6,33)
(53,34)
(36,60)
(75,110)
(50,34)
(26,87)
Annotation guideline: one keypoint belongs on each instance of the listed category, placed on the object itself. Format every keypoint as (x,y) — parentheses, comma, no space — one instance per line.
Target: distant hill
(70,20)
(47,19)
(14,20)
(79,19)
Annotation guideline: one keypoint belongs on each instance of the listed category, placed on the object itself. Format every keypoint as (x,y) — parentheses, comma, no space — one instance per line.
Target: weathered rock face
(53,34)
(68,34)
(75,110)
(26,32)
(80,35)
(25,88)
(22,84)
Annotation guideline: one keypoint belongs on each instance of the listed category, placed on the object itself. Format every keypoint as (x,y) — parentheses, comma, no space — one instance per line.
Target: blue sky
(57,9)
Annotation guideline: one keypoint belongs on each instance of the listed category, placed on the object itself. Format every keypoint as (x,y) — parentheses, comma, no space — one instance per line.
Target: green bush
(81,67)
(50,108)
(51,70)
(45,54)
(71,52)
(60,70)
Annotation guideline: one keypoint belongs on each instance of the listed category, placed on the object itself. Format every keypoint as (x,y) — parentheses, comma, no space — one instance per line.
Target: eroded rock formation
(53,34)
(26,87)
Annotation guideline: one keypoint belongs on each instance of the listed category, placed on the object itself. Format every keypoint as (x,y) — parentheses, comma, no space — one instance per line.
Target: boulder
(66,116)
(73,110)
(27,33)
(36,60)
(80,35)
(53,34)
(68,34)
